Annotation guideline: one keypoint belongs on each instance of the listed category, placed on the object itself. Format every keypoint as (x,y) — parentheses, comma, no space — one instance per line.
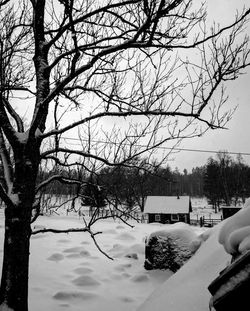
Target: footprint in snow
(63,241)
(86,281)
(120,227)
(140,278)
(72,295)
(83,270)
(76,249)
(56,257)
(85,243)
(132,256)
(126,275)
(76,252)
(79,255)
(126,299)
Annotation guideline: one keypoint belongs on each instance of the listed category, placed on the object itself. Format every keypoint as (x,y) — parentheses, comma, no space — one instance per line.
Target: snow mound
(187,288)
(180,231)
(171,247)
(235,233)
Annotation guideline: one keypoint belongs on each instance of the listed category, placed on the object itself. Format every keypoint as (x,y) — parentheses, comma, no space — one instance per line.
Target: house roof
(167,205)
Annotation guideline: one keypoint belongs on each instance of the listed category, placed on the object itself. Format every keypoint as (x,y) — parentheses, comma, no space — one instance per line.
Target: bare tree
(95,65)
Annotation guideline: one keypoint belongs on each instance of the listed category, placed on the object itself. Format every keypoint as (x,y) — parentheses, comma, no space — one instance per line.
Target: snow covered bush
(171,247)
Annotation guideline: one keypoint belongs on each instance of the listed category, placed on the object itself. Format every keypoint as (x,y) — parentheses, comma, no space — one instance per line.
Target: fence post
(201,222)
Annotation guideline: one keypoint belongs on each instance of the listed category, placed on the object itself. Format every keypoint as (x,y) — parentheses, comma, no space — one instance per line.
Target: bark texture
(15,270)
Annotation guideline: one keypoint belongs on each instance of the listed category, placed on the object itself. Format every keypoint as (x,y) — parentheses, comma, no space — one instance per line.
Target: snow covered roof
(167,205)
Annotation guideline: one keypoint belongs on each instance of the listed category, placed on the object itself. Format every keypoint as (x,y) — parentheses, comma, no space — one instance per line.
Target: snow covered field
(67,272)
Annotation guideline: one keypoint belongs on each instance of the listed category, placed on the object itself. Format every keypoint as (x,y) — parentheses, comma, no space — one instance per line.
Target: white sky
(236,138)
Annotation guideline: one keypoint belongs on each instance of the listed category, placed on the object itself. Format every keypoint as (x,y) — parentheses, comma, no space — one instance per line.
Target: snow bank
(235,233)
(187,289)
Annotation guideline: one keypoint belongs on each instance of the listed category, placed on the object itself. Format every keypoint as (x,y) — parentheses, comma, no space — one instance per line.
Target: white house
(168,209)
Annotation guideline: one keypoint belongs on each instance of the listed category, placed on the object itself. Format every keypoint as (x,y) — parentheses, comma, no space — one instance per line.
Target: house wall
(169,218)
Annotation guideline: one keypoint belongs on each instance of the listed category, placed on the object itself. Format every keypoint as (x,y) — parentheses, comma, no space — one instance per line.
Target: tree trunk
(15,270)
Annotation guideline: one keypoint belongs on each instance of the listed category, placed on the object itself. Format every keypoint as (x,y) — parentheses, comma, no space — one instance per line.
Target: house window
(157,217)
(174,217)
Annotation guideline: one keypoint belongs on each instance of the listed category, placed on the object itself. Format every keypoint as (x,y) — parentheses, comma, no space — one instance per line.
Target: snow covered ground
(67,272)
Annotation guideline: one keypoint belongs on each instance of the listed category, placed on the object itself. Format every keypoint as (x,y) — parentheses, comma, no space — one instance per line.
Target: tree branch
(59,178)
(66,27)
(7,165)
(86,229)
(15,115)
(4,196)
(118,114)
(6,126)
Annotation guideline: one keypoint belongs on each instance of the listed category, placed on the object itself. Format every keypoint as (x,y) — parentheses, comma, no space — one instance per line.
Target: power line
(162,147)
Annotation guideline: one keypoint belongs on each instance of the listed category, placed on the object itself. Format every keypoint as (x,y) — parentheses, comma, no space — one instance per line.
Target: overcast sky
(237,137)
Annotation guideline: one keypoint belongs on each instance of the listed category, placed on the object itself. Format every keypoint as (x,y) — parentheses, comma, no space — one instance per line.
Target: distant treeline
(221,180)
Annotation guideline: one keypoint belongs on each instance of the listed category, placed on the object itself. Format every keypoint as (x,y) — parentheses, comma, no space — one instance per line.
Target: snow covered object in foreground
(187,288)
(235,233)
(170,247)
(230,289)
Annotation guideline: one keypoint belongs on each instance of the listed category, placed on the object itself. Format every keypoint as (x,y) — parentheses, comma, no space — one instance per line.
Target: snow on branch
(6,162)
(14,115)
(5,124)
(85,229)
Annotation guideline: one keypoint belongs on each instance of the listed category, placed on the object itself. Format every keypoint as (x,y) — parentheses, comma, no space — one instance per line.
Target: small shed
(228,211)
(168,209)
